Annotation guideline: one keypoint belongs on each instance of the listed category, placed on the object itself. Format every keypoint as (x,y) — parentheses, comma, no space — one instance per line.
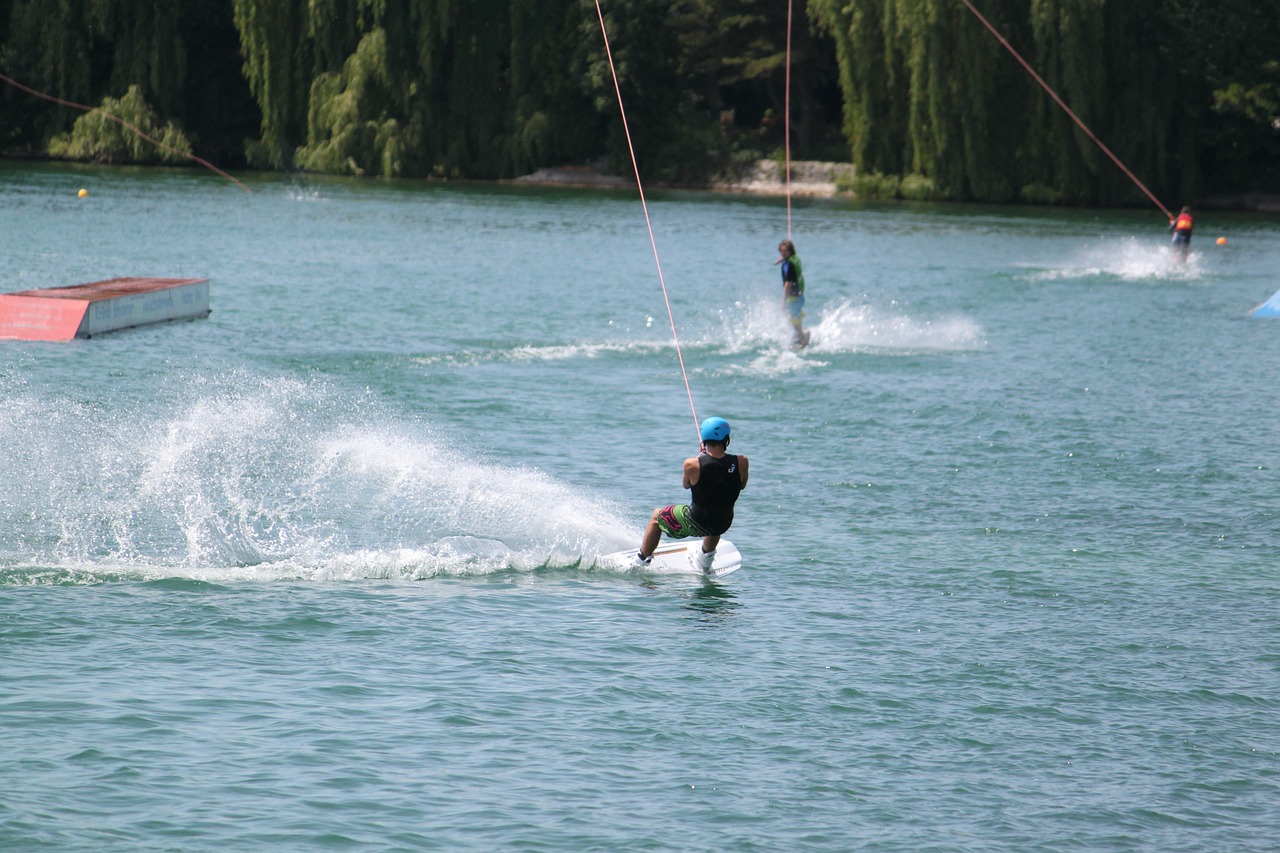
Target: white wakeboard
(678,557)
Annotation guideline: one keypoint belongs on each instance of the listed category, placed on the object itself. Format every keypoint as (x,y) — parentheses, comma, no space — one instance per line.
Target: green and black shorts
(676,523)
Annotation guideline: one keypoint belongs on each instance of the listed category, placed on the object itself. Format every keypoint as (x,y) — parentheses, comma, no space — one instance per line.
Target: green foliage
(876,185)
(276,66)
(51,45)
(417,87)
(920,188)
(184,57)
(779,158)
(704,83)
(738,166)
(98,138)
(926,92)
(350,129)
(1185,92)
(928,89)
(871,185)
(662,109)
(1259,103)
(1038,193)
(1230,58)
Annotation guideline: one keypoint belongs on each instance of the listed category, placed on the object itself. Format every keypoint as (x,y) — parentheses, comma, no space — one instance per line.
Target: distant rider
(715,478)
(793,290)
(1181,227)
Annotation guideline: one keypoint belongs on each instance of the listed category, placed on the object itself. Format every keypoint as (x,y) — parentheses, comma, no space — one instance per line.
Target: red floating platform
(85,310)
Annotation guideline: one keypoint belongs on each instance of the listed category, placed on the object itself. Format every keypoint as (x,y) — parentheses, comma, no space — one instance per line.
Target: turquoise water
(318,572)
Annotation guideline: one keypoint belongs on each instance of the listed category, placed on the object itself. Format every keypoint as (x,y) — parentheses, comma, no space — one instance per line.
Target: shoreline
(809,179)
(820,179)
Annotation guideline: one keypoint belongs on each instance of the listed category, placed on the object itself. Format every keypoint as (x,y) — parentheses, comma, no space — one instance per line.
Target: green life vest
(794,260)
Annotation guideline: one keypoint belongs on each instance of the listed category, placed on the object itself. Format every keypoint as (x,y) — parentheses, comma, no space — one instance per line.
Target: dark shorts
(676,523)
(1182,237)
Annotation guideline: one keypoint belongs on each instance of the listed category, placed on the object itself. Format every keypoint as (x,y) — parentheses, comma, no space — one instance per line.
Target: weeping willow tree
(276,49)
(465,104)
(99,139)
(349,128)
(551,119)
(1155,102)
(1065,46)
(87,50)
(80,50)
(929,91)
(704,83)
(496,88)
(51,46)
(1121,67)
(478,88)
(961,133)
(732,60)
(673,139)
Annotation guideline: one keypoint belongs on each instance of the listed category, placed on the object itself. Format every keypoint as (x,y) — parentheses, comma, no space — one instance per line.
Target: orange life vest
(1183,222)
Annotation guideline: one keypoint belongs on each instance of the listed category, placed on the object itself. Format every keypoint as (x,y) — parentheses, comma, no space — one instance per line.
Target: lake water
(319,572)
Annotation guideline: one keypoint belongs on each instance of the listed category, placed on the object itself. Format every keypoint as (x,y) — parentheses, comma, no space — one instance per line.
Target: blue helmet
(715,429)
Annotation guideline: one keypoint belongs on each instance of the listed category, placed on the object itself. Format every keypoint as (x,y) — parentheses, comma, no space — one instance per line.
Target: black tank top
(719,482)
